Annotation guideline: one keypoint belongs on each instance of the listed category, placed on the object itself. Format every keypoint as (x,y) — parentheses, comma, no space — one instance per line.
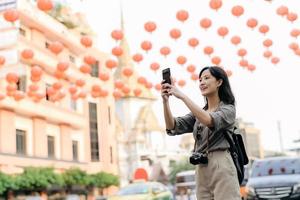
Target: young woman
(216,176)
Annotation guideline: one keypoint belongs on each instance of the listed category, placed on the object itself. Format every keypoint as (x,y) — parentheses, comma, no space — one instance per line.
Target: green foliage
(177,167)
(36,178)
(6,182)
(75,176)
(103,180)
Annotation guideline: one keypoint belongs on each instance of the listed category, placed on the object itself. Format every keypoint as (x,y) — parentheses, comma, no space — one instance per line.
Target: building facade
(71,128)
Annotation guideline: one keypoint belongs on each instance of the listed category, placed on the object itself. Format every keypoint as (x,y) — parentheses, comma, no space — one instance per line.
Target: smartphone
(166,75)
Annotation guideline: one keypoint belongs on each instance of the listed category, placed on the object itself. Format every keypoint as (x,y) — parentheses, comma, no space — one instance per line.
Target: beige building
(72,131)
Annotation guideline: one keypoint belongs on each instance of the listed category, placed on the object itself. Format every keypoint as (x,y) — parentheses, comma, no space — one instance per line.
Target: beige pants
(218,179)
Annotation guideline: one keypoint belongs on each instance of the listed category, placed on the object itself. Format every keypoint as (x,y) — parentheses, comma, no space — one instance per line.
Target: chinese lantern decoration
(264,29)
(181,60)
(292,17)
(242,52)
(294,46)
(205,23)
(2,60)
(208,50)
(215,4)
(117,35)
(223,31)
(137,57)
(103,93)
(12,77)
(127,71)
(27,54)
(141,80)
(267,54)
(45,5)
(216,60)
(90,60)
(96,88)
(117,94)
(157,86)
(117,51)
(295,33)
(252,23)
(59,74)
(275,60)
(237,11)
(282,11)
(56,47)
(194,77)
(62,66)
(267,43)
(193,42)
(86,69)
(82,94)
(146,45)
(72,89)
(235,40)
(126,89)
(181,83)
(19,95)
(11,15)
(110,64)
(137,92)
(182,15)
(104,76)
(119,84)
(36,73)
(86,41)
(150,26)
(243,63)
(165,51)
(251,67)
(154,66)
(191,68)
(57,85)
(148,85)
(175,33)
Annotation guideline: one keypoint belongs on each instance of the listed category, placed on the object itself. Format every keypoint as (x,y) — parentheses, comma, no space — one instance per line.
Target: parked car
(274,178)
(143,191)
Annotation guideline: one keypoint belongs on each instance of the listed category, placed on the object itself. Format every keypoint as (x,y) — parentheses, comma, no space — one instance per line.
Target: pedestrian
(216,176)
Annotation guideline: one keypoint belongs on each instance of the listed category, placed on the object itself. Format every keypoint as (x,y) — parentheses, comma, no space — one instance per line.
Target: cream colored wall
(53,130)
(25,124)
(78,136)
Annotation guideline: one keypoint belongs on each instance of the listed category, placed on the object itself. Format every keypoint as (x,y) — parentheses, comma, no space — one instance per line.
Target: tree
(6,183)
(75,176)
(177,167)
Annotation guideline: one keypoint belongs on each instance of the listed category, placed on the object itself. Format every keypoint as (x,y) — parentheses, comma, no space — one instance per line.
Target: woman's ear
(220,81)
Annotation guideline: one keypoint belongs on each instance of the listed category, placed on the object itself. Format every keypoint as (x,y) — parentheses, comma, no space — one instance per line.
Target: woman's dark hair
(225,93)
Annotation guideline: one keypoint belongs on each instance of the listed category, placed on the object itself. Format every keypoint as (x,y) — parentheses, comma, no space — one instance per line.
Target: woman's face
(208,83)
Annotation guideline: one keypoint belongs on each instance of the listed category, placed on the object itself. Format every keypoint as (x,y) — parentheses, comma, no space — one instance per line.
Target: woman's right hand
(165,91)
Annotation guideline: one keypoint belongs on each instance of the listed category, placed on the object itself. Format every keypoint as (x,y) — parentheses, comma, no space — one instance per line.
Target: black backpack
(237,151)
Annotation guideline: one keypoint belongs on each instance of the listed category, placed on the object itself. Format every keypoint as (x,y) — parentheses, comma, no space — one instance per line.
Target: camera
(198,158)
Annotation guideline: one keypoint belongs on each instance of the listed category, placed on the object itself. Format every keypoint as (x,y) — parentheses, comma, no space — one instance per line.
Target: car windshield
(134,189)
(278,166)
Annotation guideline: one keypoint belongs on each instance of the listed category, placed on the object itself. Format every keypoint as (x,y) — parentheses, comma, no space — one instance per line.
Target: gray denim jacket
(223,118)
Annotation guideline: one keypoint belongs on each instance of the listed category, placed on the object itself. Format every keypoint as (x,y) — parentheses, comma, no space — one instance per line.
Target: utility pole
(280,136)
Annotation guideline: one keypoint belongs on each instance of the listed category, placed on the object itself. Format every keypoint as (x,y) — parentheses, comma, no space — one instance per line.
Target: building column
(65,142)
(7,132)
(39,136)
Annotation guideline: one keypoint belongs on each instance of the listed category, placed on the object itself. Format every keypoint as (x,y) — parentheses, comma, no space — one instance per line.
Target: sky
(264,97)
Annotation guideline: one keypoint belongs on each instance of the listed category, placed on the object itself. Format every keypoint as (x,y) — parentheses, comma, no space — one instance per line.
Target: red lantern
(294,46)
(205,23)
(2,60)
(242,52)
(181,60)
(237,11)
(82,94)
(292,17)
(154,66)
(110,63)
(251,67)
(72,89)
(148,85)
(252,23)
(27,54)
(117,51)
(117,94)
(282,11)
(267,54)
(175,33)
(127,71)
(11,15)
(275,60)
(142,80)
(182,15)
(86,69)
(89,60)
(103,93)
(295,33)
(45,5)
(137,92)
(194,77)
(267,43)
(165,51)
(216,60)
(117,35)
(86,41)
(243,63)
(57,85)
(157,86)
(137,57)
(193,42)
(59,74)
(150,26)
(223,31)
(126,90)
(56,47)
(119,84)
(215,4)
(11,88)
(235,40)
(181,83)
(36,71)
(208,50)
(146,45)
(264,29)
(19,95)
(62,66)
(33,87)
(104,76)
(191,68)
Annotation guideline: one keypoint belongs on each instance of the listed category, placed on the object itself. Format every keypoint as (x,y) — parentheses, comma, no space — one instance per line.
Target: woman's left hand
(173,90)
